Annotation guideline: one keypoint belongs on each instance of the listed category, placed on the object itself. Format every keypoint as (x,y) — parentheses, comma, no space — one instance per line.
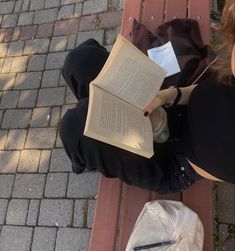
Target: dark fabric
(192,54)
(161,173)
(209,140)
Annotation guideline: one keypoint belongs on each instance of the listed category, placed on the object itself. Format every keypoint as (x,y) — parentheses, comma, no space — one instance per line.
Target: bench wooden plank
(134,198)
(200,10)
(175,9)
(198,197)
(153,14)
(106,215)
(132,9)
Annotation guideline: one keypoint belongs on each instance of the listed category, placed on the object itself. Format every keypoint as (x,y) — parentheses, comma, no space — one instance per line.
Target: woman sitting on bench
(203,147)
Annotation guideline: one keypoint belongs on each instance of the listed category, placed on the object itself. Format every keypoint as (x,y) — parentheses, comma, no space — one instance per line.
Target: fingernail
(146,114)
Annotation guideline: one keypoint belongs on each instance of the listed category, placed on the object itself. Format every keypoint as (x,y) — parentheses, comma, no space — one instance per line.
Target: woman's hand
(163,97)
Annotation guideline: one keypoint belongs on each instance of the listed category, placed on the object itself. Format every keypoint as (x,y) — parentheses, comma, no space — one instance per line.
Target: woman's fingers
(157,102)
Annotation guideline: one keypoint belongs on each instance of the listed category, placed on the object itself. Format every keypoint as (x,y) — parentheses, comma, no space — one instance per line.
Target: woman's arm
(167,96)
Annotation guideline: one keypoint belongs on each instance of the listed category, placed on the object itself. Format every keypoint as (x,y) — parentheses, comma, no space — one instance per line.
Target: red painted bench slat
(153,13)
(175,9)
(130,210)
(200,10)
(105,223)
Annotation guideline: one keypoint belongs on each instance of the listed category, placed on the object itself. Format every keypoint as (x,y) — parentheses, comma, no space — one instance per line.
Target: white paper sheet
(165,57)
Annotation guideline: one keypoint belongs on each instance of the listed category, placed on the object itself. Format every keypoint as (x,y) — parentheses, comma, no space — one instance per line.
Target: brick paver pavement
(43,205)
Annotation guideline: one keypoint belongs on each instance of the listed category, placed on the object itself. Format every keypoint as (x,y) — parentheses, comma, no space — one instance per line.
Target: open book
(127,83)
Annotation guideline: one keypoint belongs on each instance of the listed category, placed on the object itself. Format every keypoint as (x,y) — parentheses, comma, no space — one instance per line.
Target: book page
(130,75)
(116,122)
(165,57)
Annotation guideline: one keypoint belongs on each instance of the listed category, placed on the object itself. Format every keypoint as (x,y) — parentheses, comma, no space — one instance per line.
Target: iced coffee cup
(159,125)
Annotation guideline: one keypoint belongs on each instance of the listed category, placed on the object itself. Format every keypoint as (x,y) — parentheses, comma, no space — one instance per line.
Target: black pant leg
(82,65)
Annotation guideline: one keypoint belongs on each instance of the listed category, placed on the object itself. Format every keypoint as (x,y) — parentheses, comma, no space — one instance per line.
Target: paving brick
(18,5)
(66,27)
(9,20)
(97,35)
(28,32)
(7,81)
(70,98)
(110,36)
(56,185)
(110,19)
(2,34)
(117,4)
(79,213)
(1,115)
(52,3)
(62,81)
(15,48)
(84,185)
(16,34)
(60,161)
(78,10)
(1,62)
(44,239)
(66,2)
(58,43)
(90,214)
(40,138)
(51,96)
(65,108)
(50,78)
(94,6)
(88,23)
(40,117)
(55,60)
(33,212)
(71,42)
(6,184)
(29,160)
(19,64)
(56,213)
(3,137)
(3,210)
(45,30)
(9,99)
(25,6)
(39,45)
(36,63)
(7,65)
(8,35)
(17,212)
(58,143)
(28,80)
(55,116)
(16,139)
(18,118)
(3,49)
(25,18)
(45,16)
(13,237)
(27,99)
(44,161)
(66,12)
(9,161)
(70,239)
(226,198)
(6,7)
(37,4)
(29,186)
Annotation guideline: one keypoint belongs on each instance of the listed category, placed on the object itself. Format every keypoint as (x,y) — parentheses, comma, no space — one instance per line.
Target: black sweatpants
(167,171)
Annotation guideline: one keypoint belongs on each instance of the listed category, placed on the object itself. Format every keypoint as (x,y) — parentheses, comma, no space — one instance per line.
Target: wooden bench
(118,205)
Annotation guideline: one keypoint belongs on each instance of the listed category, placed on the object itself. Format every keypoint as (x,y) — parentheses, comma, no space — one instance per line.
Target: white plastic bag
(166,220)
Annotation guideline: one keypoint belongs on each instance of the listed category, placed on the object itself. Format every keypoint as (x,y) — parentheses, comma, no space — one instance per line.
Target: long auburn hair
(226,29)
